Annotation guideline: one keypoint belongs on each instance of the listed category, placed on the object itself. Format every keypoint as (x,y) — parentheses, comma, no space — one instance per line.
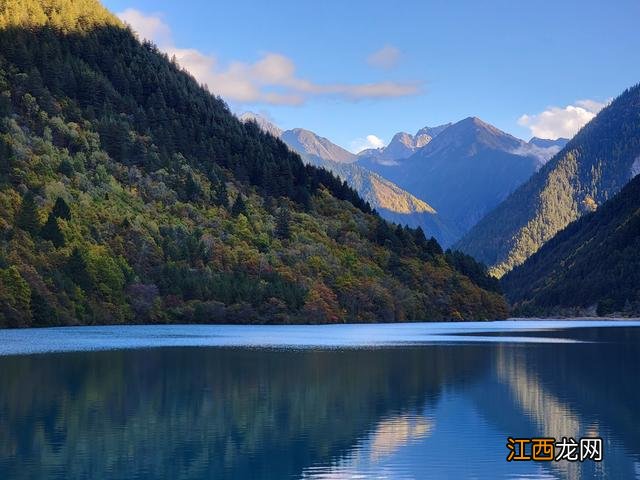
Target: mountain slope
(590,169)
(128,193)
(432,132)
(313,145)
(465,171)
(393,203)
(545,149)
(593,265)
(546,143)
(264,124)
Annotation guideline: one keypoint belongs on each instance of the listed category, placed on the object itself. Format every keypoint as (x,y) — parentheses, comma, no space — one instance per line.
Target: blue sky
(350,69)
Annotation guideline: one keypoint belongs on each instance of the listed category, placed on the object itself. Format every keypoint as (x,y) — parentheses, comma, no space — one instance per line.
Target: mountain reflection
(393,433)
(206,413)
(415,412)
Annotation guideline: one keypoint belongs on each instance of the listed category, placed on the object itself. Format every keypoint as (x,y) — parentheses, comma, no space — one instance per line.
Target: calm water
(385,401)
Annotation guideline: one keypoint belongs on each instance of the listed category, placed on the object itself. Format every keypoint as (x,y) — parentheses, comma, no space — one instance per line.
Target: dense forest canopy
(129,193)
(592,266)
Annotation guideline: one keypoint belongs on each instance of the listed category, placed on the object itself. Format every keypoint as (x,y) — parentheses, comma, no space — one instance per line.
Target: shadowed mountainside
(592,266)
(589,170)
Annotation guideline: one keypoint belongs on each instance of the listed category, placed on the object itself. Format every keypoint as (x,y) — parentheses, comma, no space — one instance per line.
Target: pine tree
(76,268)
(419,236)
(5,157)
(5,104)
(61,209)
(433,247)
(51,231)
(192,189)
(66,168)
(222,196)
(283,227)
(238,206)
(27,218)
(43,314)
(382,232)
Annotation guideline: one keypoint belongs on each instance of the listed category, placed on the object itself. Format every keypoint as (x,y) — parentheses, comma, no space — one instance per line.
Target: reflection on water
(431,411)
(393,433)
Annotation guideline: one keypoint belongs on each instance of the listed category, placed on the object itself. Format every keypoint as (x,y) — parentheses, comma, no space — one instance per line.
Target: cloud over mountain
(272,79)
(556,122)
(370,141)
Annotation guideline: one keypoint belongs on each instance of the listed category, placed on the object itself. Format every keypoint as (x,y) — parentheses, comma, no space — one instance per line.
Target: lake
(404,401)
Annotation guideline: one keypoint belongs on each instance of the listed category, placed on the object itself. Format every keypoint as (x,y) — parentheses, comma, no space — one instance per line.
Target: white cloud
(542,154)
(370,141)
(387,57)
(374,141)
(592,105)
(271,80)
(148,27)
(556,122)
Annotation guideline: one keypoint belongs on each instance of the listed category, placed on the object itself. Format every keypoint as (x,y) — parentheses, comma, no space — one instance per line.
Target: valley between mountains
(130,193)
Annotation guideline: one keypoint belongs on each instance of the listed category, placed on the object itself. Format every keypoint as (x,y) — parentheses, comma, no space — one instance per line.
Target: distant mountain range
(590,267)
(589,170)
(401,146)
(547,143)
(391,201)
(444,178)
(465,170)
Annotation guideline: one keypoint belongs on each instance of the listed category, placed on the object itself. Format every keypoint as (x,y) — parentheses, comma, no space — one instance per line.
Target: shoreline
(298,337)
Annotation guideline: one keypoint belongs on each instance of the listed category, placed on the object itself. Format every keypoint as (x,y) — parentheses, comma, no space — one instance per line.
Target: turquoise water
(317,402)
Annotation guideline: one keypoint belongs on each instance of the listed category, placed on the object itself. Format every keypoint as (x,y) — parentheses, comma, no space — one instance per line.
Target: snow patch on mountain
(635,167)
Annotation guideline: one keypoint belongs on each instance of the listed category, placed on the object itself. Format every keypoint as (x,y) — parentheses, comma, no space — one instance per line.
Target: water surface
(325,402)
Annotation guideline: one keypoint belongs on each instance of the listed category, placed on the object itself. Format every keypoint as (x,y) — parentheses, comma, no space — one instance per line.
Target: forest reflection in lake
(418,411)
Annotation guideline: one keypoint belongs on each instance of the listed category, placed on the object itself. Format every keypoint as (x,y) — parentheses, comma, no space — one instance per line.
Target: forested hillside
(128,193)
(592,266)
(589,170)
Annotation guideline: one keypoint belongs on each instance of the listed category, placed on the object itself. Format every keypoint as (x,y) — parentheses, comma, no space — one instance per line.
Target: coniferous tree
(61,209)
(382,232)
(42,313)
(5,157)
(27,218)
(222,196)
(283,227)
(51,231)
(76,268)
(419,236)
(66,168)
(5,104)
(239,206)
(192,188)
(433,247)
